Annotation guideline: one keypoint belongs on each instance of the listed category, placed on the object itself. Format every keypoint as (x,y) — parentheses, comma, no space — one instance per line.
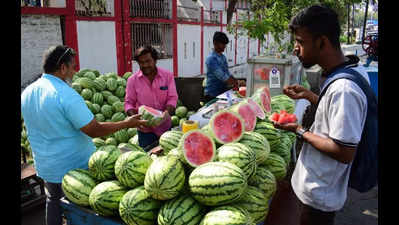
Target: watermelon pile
(220,174)
(25,145)
(283,117)
(181,114)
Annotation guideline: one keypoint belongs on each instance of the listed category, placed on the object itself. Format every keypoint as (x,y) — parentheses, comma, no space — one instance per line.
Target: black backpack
(364,171)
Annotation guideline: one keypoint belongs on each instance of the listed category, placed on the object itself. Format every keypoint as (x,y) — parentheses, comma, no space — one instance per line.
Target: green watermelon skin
(165,178)
(106,110)
(132,147)
(255,202)
(112,99)
(283,149)
(111,84)
(127,75)
(137,207)
(134,140)
(272,134)
(239,155)
(282,102)
(98,142)
(121,136)
(99,84)
(86,82)
(227,215)
(276,165)
(264,180)
(258,143)
(152,119)
(182,210)
(170,140)
(131,167)
(105,197)
(77,185)
(111,141)
(102,163)
(119,116)
(181,111)
(217,183)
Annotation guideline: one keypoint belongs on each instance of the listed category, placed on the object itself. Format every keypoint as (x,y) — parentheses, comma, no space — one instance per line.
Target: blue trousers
(146,139)
(53,208)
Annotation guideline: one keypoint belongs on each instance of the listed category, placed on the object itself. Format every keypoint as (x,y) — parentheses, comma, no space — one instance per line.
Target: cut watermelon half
(247,113)
(153,116)
(262,97)
(227,126)
(257,109)
(198,148)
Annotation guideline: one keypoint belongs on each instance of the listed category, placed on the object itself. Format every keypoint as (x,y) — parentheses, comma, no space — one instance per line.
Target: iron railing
(94,7)
(150,8)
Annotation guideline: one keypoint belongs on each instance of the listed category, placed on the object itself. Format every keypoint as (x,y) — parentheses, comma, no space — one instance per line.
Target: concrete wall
(38,33)
(97,45)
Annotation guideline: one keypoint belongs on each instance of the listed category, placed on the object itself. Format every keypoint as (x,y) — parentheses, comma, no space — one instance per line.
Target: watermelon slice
(262,97)
(227,126)
(256,108)
(242,91)
(198,147)
(283,117)
(247,113)
(153,116)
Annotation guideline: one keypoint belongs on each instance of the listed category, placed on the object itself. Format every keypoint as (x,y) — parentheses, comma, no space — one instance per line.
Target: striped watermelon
(217,183)
(106,94)
(121,82)
(105,197)
(77,185)
(264,180)
(283,149)
(170,140)
(282,102)
(134,140)
(164,178)
(86,82)
(98,142)
(112,99)
(111,141)
(197,147)
(177,152)
(100,117)
(90,75)
(255,202)
(183,210)
(130,168)
(276,164)
(101,163)
(127,75)
(99,84)
(97,98)
(227,215)
(120,91)
(137,207)
(226,127)
(132,147)
(111,84)
(247,113)
(96,108)
(270,133)
(131,132)
(78,88)
(106,110)
(121,135)
(86,94)
(153,116)
(118,107)
(239,155)
(258,143)
(119,116)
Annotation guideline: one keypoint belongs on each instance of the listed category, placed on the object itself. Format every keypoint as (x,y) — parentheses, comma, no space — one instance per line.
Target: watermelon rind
(240,126)
(276,164)
(227,215)
(152,119)
(264,180)
(131,167)
(258,143)
(249,122)
(170,140)
(101,163)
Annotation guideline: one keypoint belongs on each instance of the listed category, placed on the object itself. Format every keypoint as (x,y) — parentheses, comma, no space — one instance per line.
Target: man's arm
(100,129)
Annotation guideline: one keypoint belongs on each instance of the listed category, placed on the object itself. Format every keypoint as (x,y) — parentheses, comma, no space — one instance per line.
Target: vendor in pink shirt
(154,87)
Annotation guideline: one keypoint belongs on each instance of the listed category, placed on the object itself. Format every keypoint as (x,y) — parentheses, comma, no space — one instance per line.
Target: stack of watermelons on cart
(223,173)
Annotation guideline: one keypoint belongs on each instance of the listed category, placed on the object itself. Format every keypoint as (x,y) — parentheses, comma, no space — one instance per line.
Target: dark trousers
(146,139)
(312,216)
(208,98)
(53,208)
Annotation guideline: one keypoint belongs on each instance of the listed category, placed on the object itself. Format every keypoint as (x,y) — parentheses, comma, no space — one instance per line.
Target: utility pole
(365,20)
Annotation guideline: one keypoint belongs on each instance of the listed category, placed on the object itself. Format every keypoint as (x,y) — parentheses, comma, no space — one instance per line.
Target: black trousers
(312,216)
(53,208)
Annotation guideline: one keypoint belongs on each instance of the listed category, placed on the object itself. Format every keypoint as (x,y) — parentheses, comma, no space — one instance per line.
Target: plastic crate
(77,215)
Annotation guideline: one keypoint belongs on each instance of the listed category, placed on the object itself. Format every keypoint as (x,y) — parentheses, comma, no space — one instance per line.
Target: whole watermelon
(77,185)
(227,215)
(276,165)
(181,111)
(255,202)
(101,163)
(105,197)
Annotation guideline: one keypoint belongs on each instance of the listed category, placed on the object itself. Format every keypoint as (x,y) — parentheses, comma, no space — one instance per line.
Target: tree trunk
(365,20)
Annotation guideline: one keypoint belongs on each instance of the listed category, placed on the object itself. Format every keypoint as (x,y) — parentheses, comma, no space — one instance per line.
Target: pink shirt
(159,94)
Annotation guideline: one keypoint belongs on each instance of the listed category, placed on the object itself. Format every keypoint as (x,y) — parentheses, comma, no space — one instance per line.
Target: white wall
(189,50)
(253,47)
(242,49)
(38,33)
(97,45)
(229,52)
(208,42)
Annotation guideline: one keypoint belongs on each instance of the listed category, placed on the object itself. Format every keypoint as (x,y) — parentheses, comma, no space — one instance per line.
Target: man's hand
(241,83)
(287,126)
(232,82)
(134,121)
(297,91)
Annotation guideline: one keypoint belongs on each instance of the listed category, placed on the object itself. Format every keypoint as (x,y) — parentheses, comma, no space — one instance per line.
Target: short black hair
(55,56)
(220,37)
(318,20)
(144,50)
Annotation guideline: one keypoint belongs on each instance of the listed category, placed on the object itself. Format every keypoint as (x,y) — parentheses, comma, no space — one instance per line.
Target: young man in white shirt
(320,178)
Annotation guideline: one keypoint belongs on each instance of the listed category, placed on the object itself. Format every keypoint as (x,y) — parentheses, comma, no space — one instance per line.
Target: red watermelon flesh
(152,110)
(242,91)
(266,101)
(257,109)
(198,148)
(227,127)
(248,115)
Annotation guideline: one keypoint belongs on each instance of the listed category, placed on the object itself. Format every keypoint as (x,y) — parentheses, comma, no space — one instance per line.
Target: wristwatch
(299,133)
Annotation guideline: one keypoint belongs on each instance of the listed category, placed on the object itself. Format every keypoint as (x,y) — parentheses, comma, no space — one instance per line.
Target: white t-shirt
(319,180)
